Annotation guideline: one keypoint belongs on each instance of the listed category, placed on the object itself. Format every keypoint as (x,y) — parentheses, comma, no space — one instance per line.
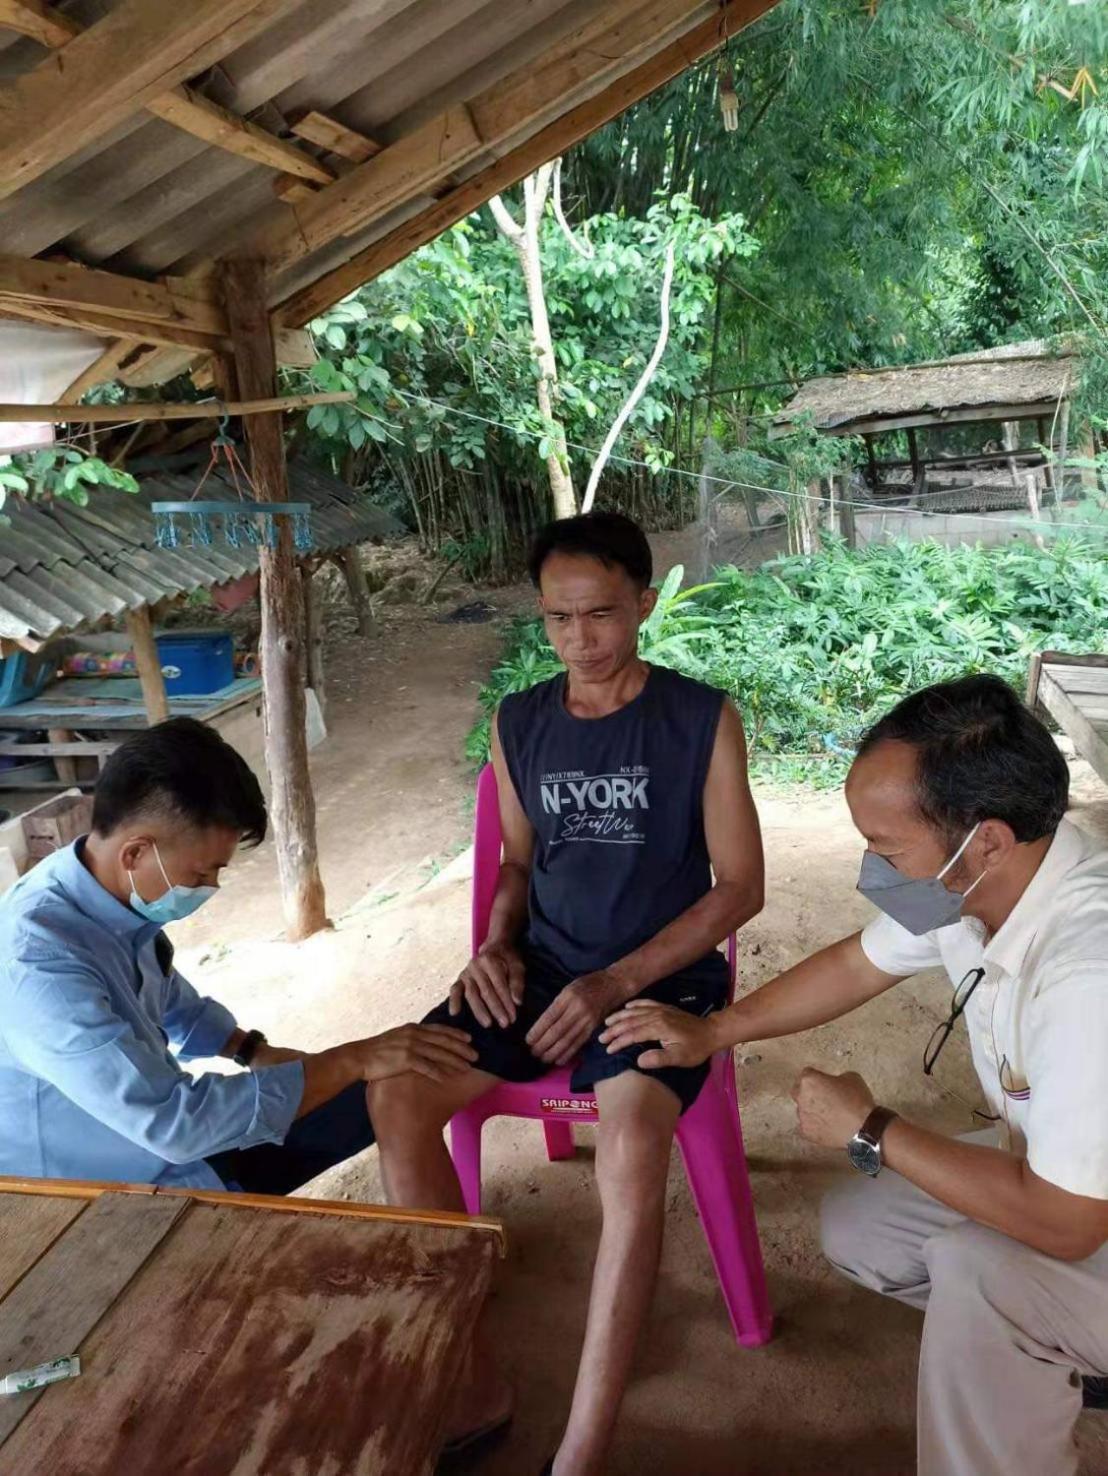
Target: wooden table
(1074,691)
(224,1333)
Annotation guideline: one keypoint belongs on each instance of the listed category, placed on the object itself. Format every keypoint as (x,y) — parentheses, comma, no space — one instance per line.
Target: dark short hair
(608,536)
(982,756)
(180,770)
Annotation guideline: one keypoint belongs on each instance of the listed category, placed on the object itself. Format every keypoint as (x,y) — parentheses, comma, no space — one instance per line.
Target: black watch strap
(248,1047)
(875,1124)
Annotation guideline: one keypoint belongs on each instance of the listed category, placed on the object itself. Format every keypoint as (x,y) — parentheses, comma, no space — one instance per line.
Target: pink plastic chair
(709,1133)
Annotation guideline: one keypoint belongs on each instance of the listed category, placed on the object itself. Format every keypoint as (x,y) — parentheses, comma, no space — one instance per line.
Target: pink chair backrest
(486,853)
(487,846)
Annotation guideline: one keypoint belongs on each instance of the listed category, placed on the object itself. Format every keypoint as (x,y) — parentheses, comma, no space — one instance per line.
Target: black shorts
(503,1050)
(325,1136)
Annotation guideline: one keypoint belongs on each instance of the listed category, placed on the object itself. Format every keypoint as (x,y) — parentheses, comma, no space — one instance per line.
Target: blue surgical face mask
(921,905)
(174,904)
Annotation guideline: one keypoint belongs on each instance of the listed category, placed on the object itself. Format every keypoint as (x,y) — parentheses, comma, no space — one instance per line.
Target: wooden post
(846,512)
(873,472)
(313,633)
(357,587)
(913,452)
(141,630)
(292,802)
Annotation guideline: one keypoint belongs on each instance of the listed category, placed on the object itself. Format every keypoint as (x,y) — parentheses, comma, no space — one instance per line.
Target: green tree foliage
(923,176)
(815,649)
(439,354)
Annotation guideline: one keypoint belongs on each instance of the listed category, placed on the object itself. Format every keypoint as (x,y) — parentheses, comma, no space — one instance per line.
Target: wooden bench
(224,1333)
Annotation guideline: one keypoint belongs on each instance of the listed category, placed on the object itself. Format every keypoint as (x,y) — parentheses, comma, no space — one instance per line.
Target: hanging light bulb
(728,100)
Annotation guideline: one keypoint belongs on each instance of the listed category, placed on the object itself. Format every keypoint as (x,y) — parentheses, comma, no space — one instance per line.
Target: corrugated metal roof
(65,568)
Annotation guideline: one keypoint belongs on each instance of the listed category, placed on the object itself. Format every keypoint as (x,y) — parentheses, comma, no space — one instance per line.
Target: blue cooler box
(196,662)
(23,676)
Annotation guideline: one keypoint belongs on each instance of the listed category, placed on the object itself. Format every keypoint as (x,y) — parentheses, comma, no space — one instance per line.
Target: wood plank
(89,1189)
(28,1228)
(1089,742)
(601,47)
(55,1306)
(218,126)
(248,1341)
(102,370)
(138,51)
(62,749)
(108,325)
(292,803)
(309,302)
(333,136)
(174,300)
(404,170)
(44,24)
(1079,680)
(128,411)
(290,189)
(149,663)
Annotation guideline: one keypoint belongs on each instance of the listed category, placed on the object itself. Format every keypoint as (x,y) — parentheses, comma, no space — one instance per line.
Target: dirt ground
(833,1393)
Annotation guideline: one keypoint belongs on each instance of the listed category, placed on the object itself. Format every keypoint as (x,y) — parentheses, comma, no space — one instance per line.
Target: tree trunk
(525,239)
(292,803)
(357,588)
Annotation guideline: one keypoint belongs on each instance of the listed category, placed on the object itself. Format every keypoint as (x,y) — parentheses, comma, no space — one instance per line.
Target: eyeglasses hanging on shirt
(942,1033)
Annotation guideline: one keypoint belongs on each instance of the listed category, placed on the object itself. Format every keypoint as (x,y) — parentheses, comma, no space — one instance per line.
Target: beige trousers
(1007,1331)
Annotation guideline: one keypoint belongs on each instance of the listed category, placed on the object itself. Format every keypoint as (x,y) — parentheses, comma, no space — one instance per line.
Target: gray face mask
(921,905)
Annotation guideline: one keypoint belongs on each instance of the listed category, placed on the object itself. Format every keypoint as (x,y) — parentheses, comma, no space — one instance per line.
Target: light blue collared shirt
(94,1020)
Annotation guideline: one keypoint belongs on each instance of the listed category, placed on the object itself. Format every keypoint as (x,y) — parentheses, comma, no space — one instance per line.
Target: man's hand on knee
(564,1027)
(491,984)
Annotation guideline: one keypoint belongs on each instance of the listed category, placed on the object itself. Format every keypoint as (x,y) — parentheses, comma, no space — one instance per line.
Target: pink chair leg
(559,1140)
(711,1144)
(465,1149)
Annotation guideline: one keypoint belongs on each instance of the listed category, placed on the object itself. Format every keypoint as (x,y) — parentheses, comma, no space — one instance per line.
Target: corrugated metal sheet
(66,568)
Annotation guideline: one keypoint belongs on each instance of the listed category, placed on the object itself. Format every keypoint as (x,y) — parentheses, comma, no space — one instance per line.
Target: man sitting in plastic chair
(631,851)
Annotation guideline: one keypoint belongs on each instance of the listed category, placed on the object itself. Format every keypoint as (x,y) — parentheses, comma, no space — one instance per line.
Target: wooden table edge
(93,1188)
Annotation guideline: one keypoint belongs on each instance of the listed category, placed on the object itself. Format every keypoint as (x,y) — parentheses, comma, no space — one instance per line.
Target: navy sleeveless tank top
(616,804)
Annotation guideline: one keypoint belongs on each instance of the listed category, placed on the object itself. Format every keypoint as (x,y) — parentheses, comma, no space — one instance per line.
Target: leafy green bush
(813,650)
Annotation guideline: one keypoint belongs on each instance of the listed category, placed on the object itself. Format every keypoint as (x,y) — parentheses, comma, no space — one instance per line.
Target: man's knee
(858,1239)
(405,1107)
(633,1157)
(971,1261)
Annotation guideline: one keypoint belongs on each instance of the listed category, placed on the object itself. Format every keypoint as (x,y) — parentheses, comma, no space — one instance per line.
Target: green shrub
(813,650)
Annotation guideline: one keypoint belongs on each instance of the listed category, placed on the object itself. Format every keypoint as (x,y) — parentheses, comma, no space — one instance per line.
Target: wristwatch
(864,1149)
(247,1047)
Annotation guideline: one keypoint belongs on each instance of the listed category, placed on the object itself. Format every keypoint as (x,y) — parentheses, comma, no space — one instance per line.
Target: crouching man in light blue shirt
(95,1020)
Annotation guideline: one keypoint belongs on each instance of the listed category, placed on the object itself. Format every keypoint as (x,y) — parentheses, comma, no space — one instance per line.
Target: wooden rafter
(570,128)
(41,22)
(220,127)
(336,138)
(600,48)
(181,106)
(136,54)
(65,411)
(172,302)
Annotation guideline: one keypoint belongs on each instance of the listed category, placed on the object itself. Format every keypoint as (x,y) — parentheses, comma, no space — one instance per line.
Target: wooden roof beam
(170,303)
(218,126)
(486,123)
(327,133)
(34,18)
(182,107)
(136,54)
(569,129)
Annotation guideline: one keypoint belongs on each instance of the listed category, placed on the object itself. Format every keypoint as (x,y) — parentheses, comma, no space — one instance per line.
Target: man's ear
(647,601)
(993,843)
(132,851)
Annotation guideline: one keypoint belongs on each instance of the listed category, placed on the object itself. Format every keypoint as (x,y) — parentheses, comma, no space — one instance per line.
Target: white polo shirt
(1038,1020)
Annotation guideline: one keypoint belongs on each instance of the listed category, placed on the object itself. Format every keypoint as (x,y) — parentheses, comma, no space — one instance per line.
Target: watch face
(864,1156)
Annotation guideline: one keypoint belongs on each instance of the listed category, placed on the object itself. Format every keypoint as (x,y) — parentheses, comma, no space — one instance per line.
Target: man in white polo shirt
(960,795)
